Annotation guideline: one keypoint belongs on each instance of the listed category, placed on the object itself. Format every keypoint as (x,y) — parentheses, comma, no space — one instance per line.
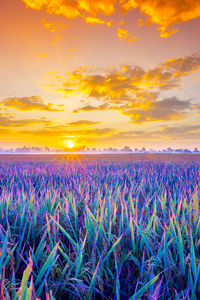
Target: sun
(70,144)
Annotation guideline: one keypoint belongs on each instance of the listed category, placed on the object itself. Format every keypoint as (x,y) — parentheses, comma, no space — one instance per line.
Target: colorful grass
(100,229)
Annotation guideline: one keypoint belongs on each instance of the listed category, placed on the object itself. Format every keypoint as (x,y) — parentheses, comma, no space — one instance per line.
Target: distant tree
(127,149)
(143,149)
(186,151)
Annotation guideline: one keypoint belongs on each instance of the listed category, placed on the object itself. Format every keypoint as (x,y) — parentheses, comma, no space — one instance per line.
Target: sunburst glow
(69,144)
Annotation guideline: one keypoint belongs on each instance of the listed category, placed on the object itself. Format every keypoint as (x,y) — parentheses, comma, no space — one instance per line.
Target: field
(100,227)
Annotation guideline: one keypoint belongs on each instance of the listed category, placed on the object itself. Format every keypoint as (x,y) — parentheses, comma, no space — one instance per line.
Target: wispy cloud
(182,132)
(123,34)
(53,27)
(91,108)
(83,123)
(30,103)
(95,21)
(197,107)
(62,132)
(12,122)
(166,109)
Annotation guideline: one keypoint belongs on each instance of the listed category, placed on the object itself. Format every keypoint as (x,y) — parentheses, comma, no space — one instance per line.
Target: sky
(100,74)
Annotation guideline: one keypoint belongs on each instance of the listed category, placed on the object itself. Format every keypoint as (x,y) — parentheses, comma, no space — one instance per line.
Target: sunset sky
(102,73)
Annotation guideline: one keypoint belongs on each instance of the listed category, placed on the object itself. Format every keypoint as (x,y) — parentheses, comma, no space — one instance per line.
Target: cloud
(53,27)
(131,89)
(131,135)
(50,26)
(5,131)
(124,35)
(74,8)
(30,103)
(127,82)
(166,33)
(183,66)
(11,122)
(43,55)
(61,132)
(95,21)
(148,111)
(112,84)
(165,13)
(83,123)
(182,132)
(91,108)
(166,109)
(197,107)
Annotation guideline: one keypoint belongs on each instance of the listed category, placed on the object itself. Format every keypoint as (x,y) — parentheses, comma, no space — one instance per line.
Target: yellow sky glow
(100,74)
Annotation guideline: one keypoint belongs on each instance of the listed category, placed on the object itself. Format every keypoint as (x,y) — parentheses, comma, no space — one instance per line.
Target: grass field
(100,227)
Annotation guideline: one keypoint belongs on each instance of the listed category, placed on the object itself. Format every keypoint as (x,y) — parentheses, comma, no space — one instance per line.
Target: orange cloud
(180,133)
(72,9)
(166,109)
(188,132)
(11,122)
(148,111)
(30,103)
(124,35)
(61,132)
(104,106)
(119,85)
(53,27)
(165,13)
(183,66)
(43,55)
(197,107)
(5,131)
(83,123)
(93,20)
(50,26)
(87,137)
(132,90)
(166,33)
